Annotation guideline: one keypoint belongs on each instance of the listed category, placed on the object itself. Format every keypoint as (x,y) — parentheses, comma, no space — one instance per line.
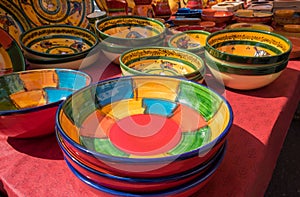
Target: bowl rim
(202,32)
(56,56)
(200,70)
(131,42)
(186,155)
(247,59)
(47,105)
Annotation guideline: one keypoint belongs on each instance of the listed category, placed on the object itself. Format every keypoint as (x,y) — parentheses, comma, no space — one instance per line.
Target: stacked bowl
(121,33)
(245,58)
(144,135)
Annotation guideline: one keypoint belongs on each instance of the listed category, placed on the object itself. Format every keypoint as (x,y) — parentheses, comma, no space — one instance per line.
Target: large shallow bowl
(218,16)
(144,126)
(248,46)
(140,185)
(193,41)
(29,99)
(11,56)
(162,61)
(53,44)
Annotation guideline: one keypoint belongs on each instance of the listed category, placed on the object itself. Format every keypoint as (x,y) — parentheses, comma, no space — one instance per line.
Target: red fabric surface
(35,167)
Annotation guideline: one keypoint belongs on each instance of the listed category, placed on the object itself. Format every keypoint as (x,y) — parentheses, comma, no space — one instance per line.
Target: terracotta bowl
(218,16)
(256,17)
(162,61)
(248,46)
(144,126)
(257,26)
(57,44)
(193,41)
(30,99)
(12,59)
(137,185)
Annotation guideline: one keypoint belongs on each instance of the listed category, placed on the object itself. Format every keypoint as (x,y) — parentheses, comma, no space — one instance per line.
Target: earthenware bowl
(12,59)
(62,45)
(144,126)
(162,61)
(193,41)
(130,31)
(257,26)
(218,16)
(244,76)
(187,189)
(29,99)
(141,185)
(256,17)
(248,46)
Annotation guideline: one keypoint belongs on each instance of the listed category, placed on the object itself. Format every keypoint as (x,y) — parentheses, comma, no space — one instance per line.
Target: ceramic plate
(49,12)
(12,20)
(11,57)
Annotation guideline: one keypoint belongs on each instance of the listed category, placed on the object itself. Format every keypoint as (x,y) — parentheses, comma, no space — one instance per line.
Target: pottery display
(12,20)
(41,13)
(11,56)
(30,99)
(104,125)
(58,44)
(162,61)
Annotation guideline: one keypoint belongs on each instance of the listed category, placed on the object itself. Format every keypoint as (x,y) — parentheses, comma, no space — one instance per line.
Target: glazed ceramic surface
(57,41)
(248,46)
(162,61)
(257,26)
(124,123)
(11,56)
(192,41)
(49,12)
(12,20)
(256,17)
(218,16)
(29,99)
(130,30)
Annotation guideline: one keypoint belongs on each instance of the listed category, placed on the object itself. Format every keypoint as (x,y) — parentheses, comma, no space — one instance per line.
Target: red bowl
(218,17)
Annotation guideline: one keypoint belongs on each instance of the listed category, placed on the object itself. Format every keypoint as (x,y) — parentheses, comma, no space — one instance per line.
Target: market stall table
(35,167)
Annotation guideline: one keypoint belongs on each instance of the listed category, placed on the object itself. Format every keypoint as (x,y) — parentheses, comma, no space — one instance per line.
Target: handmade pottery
(255,17)
(257,26)
(41,13)
(144,126)
(218,16)
(163,61)
(11,56)
(30,99)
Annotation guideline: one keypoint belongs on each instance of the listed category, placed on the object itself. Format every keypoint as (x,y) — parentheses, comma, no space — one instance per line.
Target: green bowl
(162,61)
(248,46)
(192,41)
(130,31)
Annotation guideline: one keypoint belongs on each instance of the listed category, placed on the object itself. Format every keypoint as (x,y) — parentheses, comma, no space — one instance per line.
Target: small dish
(292,28)
(218,17)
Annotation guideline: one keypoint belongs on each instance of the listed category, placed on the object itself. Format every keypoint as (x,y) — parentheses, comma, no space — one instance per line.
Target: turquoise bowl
(144,126)
(29,99)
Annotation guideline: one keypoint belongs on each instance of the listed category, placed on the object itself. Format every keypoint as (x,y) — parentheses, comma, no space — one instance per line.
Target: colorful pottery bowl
(11,56)
(187,189)
(162,61)
(144,126)
(141,185)
(218,16)
(29,99)
(57,44)
(244,76)
(257,26)
(248,46)
(193,41)
(256,17)
(130,31)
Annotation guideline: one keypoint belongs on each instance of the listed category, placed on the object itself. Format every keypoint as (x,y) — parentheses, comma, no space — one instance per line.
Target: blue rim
(183,156)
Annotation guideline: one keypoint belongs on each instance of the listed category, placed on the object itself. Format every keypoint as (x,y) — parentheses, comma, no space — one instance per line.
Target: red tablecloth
(35,167)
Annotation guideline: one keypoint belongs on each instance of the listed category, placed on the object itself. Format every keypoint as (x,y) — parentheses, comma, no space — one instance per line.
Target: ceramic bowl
(29,99)
(142,185)
(130,31)
(244,76)
(162,61)
(218,16)
(57,43)
(256,17)
(257,26)
(193,41)
(11,56)
(248,46)
(144,126)
(187,189)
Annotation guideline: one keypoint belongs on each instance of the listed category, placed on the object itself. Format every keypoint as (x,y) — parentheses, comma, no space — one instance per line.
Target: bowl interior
(31,89)
(58,41)
(189,40)
(143,117)
(160,61)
